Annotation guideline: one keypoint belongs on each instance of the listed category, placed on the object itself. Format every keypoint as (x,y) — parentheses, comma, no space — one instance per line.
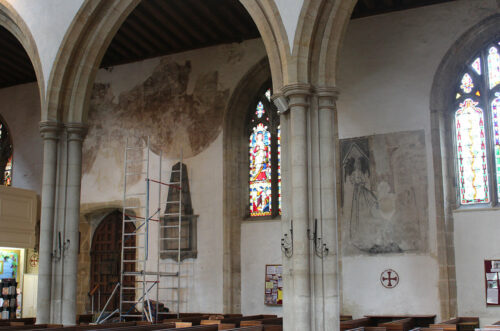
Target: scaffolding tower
(140,275)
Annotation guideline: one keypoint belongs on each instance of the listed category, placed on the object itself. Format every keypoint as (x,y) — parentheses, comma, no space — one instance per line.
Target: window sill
(475,209)
(259,219)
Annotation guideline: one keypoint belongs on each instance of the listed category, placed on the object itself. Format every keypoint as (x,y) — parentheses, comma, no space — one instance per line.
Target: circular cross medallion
(389,278)
(34,260)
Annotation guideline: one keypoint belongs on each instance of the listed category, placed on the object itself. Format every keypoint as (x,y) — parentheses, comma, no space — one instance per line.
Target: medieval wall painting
(384,194)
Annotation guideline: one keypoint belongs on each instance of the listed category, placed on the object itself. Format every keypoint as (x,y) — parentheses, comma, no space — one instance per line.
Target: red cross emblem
(389,278)
(33,260)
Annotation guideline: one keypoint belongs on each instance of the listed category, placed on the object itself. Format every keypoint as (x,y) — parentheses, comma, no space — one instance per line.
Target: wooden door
(105,258)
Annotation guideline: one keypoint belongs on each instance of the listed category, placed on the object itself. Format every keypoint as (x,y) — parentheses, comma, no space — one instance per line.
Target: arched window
(5,155)
(477,128)
(264,156)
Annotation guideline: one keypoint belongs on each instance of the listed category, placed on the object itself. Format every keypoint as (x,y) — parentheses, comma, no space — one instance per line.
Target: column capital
(327,92)
(327,96)
(49,130)
(297,94)
(76,131)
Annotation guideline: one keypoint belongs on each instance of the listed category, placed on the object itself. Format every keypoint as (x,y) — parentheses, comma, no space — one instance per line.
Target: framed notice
(273,295)
(491,278)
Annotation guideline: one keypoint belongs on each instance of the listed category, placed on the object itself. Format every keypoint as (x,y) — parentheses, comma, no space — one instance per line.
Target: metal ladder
(136,281)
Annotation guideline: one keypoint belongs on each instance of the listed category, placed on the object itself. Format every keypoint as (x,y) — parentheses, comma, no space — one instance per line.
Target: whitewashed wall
(102,182)
(387,68)
(260,245)
(20,108)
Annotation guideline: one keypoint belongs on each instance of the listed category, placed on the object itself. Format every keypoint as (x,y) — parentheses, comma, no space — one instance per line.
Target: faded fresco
(160,107)
(384,194)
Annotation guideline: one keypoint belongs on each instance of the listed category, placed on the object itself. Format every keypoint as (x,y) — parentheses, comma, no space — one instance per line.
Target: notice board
(491,274)
(273,295)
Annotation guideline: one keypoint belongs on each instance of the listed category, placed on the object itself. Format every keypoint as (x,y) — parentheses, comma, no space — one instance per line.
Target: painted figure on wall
(384,194)
(9,264)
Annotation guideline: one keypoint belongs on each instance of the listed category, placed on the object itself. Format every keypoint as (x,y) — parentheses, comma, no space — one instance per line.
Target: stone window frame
(274,123)
(441,102)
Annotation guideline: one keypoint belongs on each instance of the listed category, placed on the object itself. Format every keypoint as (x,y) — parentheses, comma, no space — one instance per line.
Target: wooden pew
(221,326)
(237,320)
(26,321)
(357,323)
(249,328)
(420,320)
(405,324)
(345,318)
(495,325)
(369,328)
(83,319)
(458,324)
(93,327)
(32,327)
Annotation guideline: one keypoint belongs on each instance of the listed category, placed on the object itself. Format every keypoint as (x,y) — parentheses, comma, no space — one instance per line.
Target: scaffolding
(137,282)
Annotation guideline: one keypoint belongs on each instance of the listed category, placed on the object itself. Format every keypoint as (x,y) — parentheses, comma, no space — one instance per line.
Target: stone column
(297,310)
(328,136)
(50,134)
(76,134)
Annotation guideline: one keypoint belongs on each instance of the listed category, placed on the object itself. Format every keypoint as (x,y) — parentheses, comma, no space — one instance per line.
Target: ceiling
(15,65)
(366,8)
(161,27)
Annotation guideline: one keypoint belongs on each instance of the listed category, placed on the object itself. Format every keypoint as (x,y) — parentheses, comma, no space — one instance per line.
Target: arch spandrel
(90,33)
(12,21)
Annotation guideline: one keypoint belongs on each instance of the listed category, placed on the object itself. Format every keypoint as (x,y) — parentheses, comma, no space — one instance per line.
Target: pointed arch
(90,33)
(441,94)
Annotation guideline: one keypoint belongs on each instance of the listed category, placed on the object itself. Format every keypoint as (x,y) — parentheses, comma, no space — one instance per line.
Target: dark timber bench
(405,324)
(458,324)
(419,320)
(369,328)
(357,323)
(237,320)
(495,325)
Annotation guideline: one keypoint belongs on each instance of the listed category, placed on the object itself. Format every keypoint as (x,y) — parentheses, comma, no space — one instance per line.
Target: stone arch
(235,169)
(12,21)
(331,26)
(441,93)
(90,33)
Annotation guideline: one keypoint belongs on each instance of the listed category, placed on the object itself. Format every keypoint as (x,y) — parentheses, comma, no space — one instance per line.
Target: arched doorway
(105,256)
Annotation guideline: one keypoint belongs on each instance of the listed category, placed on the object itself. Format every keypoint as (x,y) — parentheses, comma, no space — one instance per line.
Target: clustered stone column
(328,136)
(58,277)
(76,133)
(298,103)
(50,134)
(310,275)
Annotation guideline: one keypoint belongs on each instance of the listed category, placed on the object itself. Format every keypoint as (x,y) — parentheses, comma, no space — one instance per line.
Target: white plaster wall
(260,245)
(203,277)
(416,292)
(290,12)
(48,21)
(20,108)
(386,71)
(476,240)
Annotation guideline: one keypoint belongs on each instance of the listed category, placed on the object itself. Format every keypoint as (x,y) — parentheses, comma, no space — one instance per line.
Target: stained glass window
(467,84)
(264,157)
(477,129)
(494,67)
(471,152)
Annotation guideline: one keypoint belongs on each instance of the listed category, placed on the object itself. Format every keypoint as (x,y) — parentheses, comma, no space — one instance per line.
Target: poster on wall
(273,295)
(491,273)
(9,263)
